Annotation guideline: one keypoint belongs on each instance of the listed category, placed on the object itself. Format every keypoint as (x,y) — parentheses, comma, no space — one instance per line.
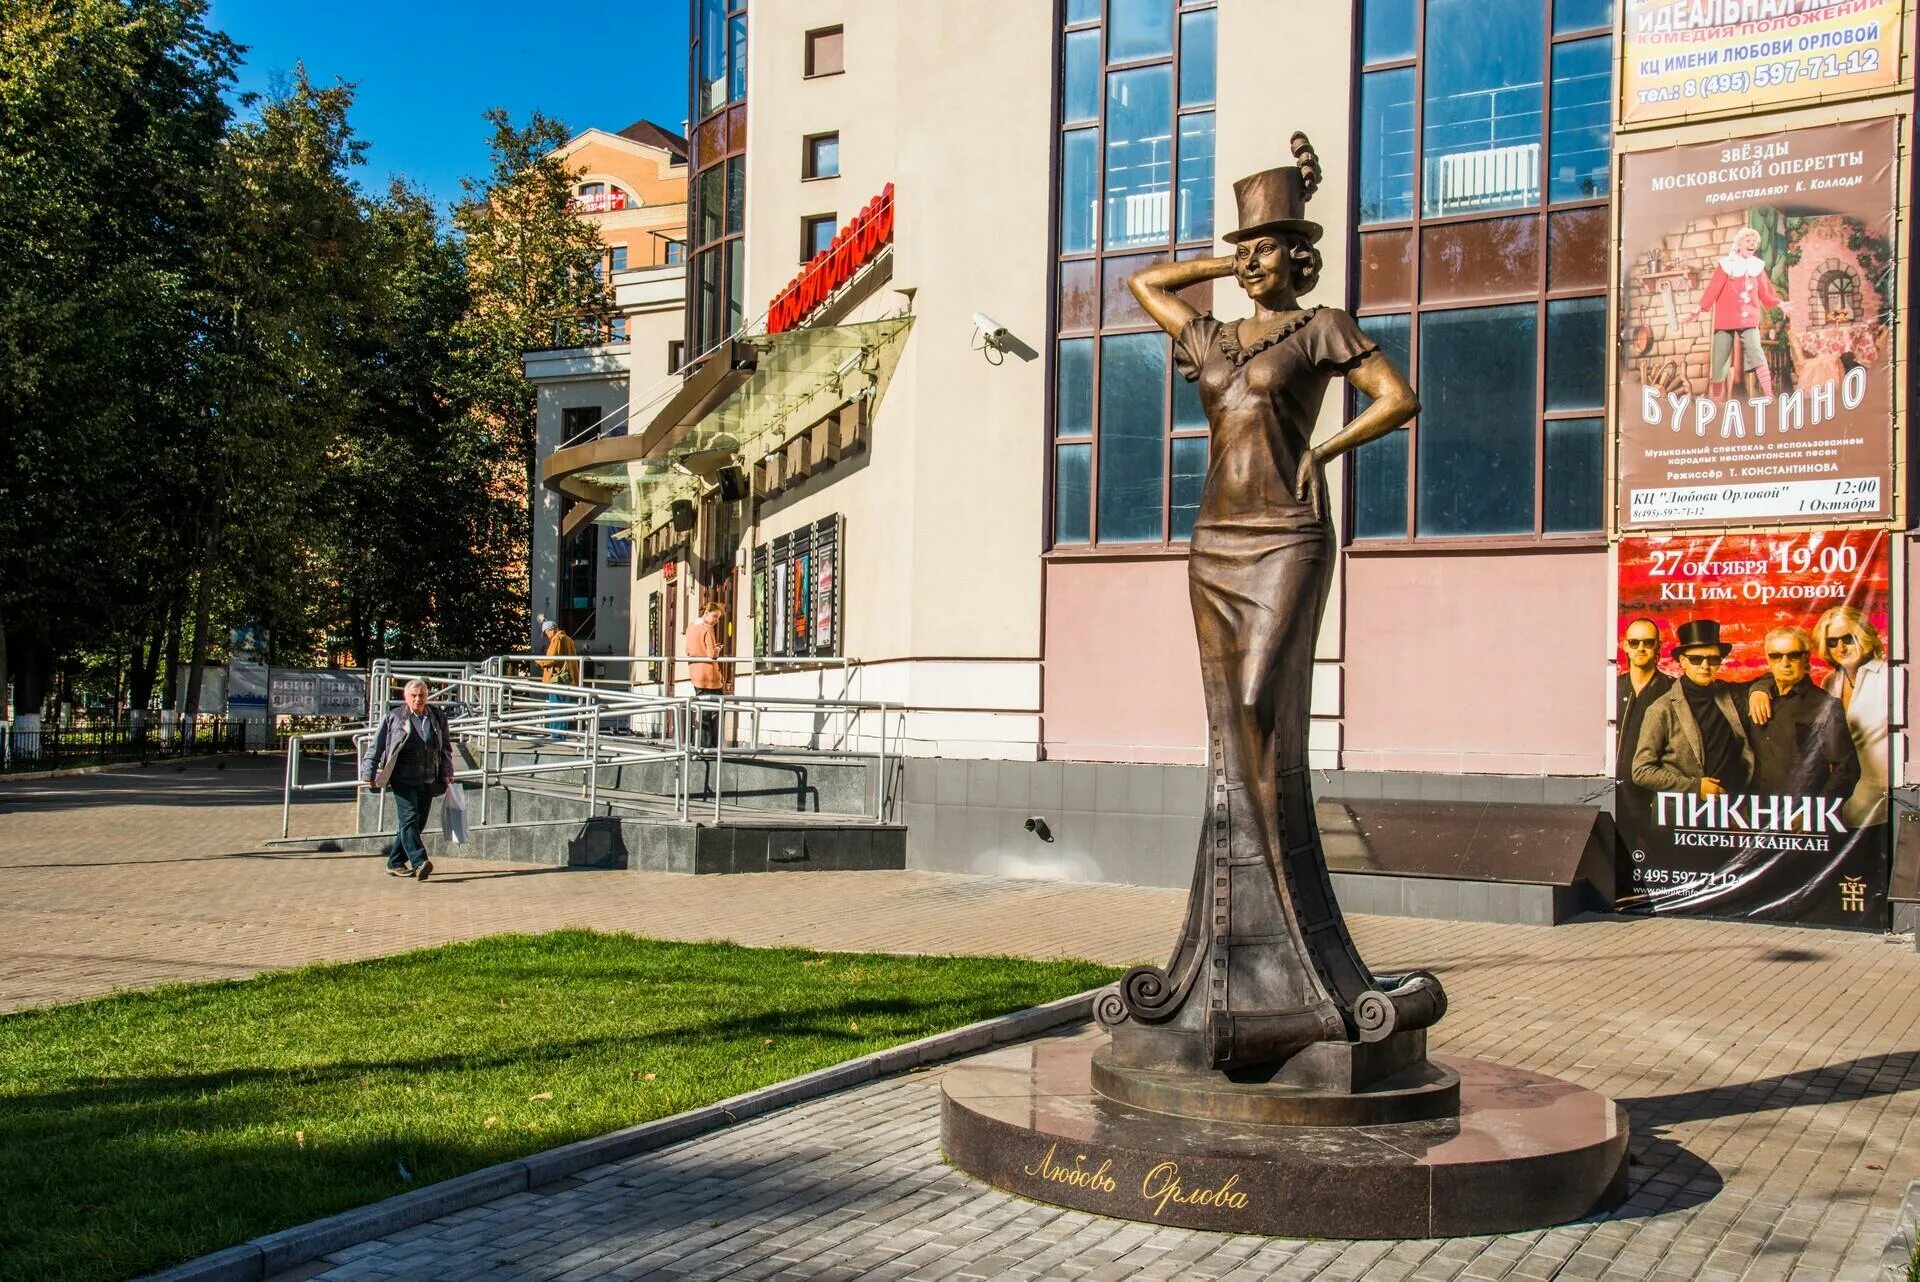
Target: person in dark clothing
(1639,684)
(1693,738)
(1801,745)
(411,756)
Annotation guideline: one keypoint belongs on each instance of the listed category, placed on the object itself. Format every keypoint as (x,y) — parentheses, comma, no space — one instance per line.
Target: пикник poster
(1751,713)
(1756,362)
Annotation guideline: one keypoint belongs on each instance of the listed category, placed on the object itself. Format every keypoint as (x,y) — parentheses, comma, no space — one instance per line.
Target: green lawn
(140,1130)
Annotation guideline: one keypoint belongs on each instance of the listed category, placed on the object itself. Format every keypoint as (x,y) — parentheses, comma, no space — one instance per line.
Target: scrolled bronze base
(1331,1084)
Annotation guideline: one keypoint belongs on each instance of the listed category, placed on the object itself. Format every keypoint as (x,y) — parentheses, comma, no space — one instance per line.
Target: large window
(1135,112)
(719,54)
(1481,205)
(820,156)
(816,234)
(718,190)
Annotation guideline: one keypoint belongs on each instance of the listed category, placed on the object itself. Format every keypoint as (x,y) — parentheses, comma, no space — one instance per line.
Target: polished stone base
(1411,1091)
(1525,1151)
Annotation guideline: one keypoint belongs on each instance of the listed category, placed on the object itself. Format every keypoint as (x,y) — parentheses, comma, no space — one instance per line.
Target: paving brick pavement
(1772,1074)
(141,877)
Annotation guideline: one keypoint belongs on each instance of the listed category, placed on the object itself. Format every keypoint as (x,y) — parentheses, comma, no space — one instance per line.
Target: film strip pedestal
(1523,1150)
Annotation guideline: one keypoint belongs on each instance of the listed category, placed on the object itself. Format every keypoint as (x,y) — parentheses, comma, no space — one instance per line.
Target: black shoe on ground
(424,871)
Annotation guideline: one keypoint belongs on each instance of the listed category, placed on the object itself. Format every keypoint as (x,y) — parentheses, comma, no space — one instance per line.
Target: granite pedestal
(1524,1151)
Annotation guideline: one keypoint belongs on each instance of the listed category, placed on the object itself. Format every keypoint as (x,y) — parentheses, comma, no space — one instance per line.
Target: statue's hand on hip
(1306,485)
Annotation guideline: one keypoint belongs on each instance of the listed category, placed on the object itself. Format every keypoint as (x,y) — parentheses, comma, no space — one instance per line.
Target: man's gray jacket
(383,753)
(1671,756)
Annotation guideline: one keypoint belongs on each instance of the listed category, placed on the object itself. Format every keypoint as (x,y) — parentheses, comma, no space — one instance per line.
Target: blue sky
(427,69)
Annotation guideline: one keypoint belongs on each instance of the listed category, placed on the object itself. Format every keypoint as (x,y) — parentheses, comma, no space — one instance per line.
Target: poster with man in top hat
(1751,717)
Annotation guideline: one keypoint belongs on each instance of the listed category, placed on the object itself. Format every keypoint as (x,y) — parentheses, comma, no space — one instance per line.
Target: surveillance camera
(1038,827)
(990,329)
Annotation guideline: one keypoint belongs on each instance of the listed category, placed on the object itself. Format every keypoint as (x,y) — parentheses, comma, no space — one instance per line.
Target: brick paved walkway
(1772,1074)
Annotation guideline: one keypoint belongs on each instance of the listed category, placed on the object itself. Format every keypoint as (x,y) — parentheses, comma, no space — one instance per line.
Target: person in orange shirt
(703,642)
(555,670)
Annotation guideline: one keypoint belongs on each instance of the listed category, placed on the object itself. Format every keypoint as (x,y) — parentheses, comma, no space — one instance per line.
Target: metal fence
(56,747)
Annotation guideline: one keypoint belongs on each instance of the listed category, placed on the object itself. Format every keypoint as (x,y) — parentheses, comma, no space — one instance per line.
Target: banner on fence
(317,692)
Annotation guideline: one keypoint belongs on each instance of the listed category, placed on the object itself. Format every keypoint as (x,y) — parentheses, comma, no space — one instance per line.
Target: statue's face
(1261,265)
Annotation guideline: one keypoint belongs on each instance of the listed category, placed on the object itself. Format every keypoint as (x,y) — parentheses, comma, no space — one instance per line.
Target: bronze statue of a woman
(1265,968)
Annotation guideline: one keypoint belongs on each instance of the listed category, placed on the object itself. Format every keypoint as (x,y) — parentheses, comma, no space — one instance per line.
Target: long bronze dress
(1264,965)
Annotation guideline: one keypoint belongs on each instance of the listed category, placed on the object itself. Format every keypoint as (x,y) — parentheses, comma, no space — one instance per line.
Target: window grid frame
(809,227)
(810,49)
(694,249)
(809,156)
(1541,295)
(1174,248)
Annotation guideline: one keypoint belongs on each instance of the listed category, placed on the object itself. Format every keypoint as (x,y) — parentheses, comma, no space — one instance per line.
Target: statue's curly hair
(1301,253)
(1308,160)
(1304,257)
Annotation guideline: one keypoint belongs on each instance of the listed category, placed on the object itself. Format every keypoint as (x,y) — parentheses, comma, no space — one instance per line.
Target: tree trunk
(146,662)
(357,629)
(202,608)
(31,656)
(170,657)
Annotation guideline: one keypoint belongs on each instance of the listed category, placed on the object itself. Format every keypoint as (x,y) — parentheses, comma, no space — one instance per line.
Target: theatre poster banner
(1757,351)
(1692,58)
(1755,784)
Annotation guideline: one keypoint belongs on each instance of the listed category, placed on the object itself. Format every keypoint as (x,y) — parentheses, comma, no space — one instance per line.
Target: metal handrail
(492,707)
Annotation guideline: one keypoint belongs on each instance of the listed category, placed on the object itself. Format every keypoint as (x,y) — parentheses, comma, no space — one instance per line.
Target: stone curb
(276,1252)
(40,776)
(1897,1260)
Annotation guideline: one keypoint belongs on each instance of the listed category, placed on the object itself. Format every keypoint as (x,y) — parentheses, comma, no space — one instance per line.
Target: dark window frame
(809,226)
(1540,295)
(810,64)
(707,321)
(1098,257)
(809,157)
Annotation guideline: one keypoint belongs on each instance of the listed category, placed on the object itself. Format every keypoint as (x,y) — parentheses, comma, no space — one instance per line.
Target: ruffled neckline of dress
(1230,337)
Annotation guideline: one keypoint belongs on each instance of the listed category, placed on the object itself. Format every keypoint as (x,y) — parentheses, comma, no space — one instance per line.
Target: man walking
(411,756)
(703,643)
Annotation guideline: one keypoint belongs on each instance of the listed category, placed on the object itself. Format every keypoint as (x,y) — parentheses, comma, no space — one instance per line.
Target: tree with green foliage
(235,390)
(285,278)
(420,535)
(532,269)
(110,117)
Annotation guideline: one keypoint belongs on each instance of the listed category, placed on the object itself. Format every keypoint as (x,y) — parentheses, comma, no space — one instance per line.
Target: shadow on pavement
(1856,1079)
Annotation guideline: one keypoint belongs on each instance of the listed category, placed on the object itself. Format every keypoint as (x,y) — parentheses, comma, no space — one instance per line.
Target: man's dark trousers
(410,803)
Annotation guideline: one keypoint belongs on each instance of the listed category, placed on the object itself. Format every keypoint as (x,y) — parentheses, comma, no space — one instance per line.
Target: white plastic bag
(453,815)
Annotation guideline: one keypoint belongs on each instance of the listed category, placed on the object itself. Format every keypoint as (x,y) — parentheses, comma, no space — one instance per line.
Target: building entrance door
(719,546)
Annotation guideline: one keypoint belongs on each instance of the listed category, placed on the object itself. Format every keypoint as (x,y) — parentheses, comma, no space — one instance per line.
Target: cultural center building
(924,426)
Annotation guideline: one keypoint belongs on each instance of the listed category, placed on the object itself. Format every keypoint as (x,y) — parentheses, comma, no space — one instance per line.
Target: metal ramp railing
(564,735)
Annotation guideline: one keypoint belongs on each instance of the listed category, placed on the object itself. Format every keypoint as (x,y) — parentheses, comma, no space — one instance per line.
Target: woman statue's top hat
(1275,200)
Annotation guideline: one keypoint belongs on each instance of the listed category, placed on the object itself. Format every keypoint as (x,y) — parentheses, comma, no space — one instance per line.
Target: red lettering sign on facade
(856,245)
